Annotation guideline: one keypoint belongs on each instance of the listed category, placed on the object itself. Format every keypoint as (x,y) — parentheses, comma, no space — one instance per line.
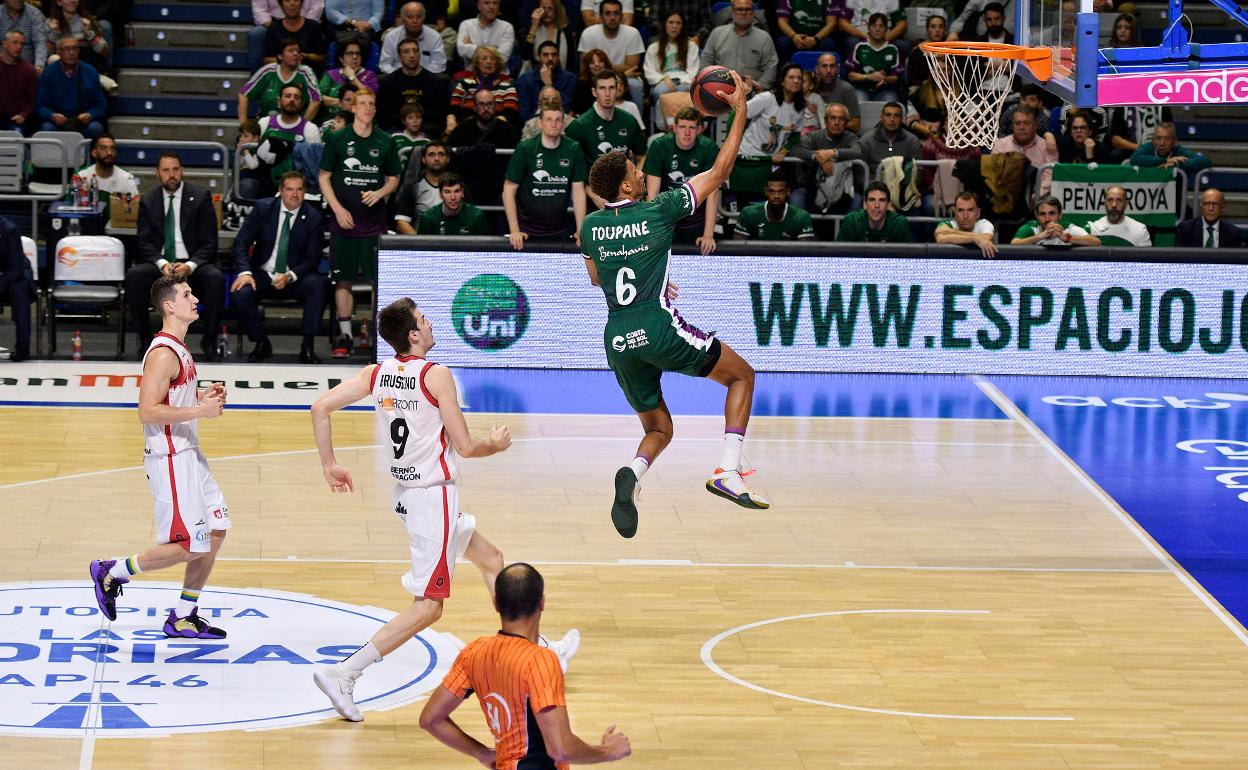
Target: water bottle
(74,190)
(77,345)
(223,343)
(364,340)
(95,192)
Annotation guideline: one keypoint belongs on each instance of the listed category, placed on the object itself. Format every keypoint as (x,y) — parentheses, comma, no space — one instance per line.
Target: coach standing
(284,236)
(177,236)
(359,169)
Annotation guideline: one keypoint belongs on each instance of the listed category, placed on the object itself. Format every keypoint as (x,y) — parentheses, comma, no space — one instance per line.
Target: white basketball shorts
(437,534)
(189,505)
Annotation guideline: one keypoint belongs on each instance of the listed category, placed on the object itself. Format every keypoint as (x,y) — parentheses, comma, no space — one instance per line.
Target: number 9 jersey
(410,424)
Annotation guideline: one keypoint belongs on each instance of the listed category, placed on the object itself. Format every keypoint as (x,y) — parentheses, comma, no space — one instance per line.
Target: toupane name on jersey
(614,232)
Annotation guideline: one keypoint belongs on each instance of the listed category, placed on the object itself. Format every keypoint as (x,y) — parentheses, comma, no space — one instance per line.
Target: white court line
(86,757)
(536,439)
(1004,403)
(709,661)
(293,559)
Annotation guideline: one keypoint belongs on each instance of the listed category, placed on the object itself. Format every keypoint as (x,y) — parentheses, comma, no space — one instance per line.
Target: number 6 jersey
(410,424)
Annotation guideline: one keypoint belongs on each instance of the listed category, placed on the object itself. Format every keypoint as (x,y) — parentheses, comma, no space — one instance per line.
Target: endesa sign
(1186,87)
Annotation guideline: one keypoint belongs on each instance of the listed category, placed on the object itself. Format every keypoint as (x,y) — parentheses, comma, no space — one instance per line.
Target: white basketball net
(975,88)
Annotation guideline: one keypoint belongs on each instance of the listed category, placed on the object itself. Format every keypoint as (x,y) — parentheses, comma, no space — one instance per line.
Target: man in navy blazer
(277,253)
(1194,232)
(185,246)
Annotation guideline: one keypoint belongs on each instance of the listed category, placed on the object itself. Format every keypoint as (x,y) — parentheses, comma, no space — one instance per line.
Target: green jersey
(598,137)
(807,17)
(469,221)
(630,243)
(674,166)
(856,228)
(356,164)
(264,89)
(545,177)
(794,225)
(405,144)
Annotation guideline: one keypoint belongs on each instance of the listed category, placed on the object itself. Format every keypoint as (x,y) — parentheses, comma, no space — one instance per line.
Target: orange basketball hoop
(975,79)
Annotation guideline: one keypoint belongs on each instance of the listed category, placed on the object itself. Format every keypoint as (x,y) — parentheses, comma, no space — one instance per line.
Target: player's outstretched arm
(709,181)
(342,395)
(564,746)
(441,384)
(160,369)
(435,719)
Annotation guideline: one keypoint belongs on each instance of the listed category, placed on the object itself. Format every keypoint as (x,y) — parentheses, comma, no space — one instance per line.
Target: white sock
(344,327)
(731,459)
(184,608)
(639,465)
(360,659)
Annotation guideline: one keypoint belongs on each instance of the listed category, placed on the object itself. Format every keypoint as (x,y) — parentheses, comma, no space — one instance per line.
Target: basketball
(711,89)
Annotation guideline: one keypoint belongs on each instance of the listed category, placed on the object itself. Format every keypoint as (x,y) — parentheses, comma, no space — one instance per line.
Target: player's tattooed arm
(441,385)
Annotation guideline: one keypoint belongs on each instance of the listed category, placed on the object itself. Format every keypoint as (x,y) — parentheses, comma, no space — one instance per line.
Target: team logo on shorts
(618,343)
(63,671)
(490,312)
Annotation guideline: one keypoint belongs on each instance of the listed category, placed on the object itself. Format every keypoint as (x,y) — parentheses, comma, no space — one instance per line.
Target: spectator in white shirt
(966,227)
(109,178)
(1117,224)
(412,25)
(622,44)
(590,17)
(486,29)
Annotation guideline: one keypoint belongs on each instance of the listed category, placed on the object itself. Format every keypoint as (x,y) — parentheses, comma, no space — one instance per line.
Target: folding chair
(96,264)
(47,161)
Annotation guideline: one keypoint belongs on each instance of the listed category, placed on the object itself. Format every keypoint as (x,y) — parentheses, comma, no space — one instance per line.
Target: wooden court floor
(923,593)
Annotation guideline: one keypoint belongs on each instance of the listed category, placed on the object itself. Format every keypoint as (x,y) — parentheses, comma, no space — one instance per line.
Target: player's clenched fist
(501,436)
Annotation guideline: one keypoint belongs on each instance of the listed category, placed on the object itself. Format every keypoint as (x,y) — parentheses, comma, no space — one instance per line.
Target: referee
(518,684)
(359,168)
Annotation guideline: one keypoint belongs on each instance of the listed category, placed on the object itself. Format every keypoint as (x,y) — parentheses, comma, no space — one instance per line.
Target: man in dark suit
(17,285)
(1209,230)
(288,237)
(177,236)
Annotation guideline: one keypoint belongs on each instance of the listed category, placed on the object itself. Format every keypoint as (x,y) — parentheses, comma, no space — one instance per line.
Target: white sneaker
(729,485)
(565,649)
(339,688)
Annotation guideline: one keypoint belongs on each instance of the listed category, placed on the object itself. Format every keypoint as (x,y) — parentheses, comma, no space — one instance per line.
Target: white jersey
(407,415)
(162,440)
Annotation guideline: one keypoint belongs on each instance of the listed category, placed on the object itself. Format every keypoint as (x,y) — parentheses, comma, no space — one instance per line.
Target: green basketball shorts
(644,342)
(352,257)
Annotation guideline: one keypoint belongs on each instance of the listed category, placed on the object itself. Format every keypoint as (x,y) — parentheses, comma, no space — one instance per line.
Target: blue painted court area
(1173,453)
(1133,437)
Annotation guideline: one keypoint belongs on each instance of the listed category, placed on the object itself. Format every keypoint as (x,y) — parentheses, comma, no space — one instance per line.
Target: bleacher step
(222,84)
(195,13)
(157,35)
(222,130)
(204,177)
(209,59)
(187,106)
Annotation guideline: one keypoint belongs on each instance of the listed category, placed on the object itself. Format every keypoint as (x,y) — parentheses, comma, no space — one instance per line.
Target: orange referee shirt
(514,679)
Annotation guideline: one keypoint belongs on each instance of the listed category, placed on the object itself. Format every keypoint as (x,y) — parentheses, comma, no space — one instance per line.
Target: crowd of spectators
(479,80)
